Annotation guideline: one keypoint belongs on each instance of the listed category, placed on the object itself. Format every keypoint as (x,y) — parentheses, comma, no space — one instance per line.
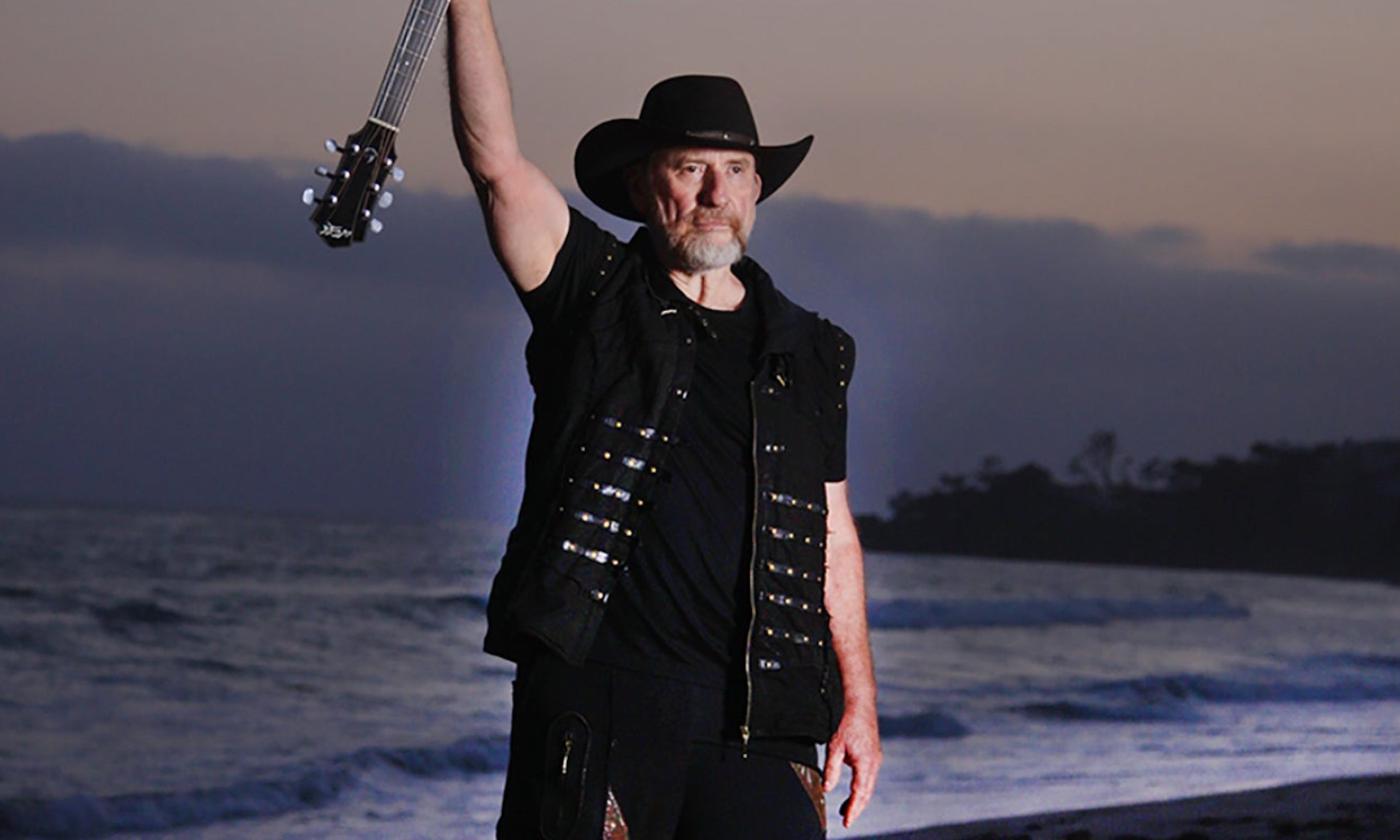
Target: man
(683,592)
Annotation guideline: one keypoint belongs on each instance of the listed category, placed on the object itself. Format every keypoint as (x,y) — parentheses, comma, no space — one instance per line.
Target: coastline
(1362,807)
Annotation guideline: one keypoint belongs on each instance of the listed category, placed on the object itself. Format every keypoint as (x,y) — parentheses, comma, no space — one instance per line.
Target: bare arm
(857,738)
(526,216)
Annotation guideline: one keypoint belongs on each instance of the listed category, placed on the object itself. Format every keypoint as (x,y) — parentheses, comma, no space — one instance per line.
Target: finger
(831,773)
(853,802)
(863,786)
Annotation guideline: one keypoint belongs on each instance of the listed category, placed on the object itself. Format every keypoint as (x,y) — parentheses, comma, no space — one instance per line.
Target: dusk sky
(1176,220)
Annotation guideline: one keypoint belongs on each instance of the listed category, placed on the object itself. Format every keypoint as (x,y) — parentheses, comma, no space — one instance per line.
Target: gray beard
(699,253)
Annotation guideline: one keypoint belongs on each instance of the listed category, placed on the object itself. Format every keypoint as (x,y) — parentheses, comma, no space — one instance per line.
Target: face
(700,203)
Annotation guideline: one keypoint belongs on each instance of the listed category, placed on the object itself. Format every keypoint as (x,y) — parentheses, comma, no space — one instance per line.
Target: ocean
(248,676)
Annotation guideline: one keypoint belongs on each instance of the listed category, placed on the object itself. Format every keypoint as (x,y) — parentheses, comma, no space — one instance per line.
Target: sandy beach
(1354,807)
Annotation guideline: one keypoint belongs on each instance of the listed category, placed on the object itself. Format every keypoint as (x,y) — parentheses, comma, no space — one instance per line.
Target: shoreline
(1362,807)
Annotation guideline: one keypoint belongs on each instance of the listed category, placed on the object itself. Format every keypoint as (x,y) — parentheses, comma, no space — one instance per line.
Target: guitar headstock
(346,209)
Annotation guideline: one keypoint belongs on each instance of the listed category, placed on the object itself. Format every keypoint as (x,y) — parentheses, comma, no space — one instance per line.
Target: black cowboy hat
(709,111)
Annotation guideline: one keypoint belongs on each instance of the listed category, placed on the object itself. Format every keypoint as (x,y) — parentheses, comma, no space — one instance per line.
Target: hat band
(730,136)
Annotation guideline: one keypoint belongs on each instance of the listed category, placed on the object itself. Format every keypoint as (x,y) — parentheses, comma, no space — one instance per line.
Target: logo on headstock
(330,231)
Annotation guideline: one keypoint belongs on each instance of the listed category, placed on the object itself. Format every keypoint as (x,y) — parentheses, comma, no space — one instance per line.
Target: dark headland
(1330,509)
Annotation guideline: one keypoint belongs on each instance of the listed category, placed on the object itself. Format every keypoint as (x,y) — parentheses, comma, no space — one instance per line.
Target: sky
(1175,220)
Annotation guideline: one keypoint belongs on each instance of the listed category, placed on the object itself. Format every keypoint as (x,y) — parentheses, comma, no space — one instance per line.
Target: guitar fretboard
(420,27)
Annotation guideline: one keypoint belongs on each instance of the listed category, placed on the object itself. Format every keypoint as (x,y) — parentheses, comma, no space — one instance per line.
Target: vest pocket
(565,762)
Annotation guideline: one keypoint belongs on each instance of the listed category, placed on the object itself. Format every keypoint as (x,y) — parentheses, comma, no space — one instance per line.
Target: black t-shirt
(680,608)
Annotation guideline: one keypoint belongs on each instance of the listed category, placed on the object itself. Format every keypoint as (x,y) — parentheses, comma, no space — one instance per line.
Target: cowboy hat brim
(606,151)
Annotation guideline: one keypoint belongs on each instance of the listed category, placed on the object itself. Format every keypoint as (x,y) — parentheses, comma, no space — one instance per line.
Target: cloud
(1329,259)
(173,333)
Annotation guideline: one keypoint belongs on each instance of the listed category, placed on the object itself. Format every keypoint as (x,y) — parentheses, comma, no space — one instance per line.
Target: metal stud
(594,554)
(608,524)
(613,490)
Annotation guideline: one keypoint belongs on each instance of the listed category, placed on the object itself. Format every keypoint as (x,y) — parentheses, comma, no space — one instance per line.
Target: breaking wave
(302,787)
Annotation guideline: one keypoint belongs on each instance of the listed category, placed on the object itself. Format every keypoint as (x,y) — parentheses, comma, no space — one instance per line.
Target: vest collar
(783,323)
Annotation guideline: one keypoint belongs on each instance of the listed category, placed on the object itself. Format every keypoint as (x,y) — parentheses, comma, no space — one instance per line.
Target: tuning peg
(386,198)
(375,226)
(327,172)
(308,197)
(332,146)
(397,173)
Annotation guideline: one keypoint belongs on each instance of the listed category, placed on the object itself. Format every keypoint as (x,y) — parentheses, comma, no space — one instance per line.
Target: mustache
(709,217)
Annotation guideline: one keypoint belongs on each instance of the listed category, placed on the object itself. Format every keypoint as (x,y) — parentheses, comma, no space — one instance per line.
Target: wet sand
(1353,807)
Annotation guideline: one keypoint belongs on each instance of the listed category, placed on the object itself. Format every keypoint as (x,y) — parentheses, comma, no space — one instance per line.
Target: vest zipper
(753,560)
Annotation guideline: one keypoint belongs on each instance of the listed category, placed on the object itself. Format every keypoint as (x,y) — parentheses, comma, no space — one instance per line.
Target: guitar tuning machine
(308,197)
(375,226)
(332,146)
(327,172)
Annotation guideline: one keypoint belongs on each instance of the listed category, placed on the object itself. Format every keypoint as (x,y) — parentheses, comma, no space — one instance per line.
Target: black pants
(595,747)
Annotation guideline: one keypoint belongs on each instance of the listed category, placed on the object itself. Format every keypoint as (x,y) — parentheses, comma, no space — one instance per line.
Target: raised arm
(526,216)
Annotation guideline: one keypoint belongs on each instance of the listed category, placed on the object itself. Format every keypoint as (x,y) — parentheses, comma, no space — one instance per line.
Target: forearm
(482,122)
(850,631)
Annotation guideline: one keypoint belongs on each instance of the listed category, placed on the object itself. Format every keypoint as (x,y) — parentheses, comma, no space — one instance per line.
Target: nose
(714,191)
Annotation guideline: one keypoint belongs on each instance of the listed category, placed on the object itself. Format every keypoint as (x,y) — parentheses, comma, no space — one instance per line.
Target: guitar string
(406,72)
(415,44)
(426,38)
(387,87)
(384,85)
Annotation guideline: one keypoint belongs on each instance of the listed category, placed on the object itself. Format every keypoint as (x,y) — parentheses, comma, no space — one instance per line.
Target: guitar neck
(420,27)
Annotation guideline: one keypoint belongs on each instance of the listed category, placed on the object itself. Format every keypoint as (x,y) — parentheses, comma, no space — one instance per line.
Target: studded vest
(604,423)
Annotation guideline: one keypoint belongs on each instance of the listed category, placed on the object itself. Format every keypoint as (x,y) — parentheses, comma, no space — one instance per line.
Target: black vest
(604,423)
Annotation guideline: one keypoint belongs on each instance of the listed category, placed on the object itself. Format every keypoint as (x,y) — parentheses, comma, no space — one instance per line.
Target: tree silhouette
(1329,509)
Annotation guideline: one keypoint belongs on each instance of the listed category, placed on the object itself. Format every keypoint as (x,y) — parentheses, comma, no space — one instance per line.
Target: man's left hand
(856,742)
